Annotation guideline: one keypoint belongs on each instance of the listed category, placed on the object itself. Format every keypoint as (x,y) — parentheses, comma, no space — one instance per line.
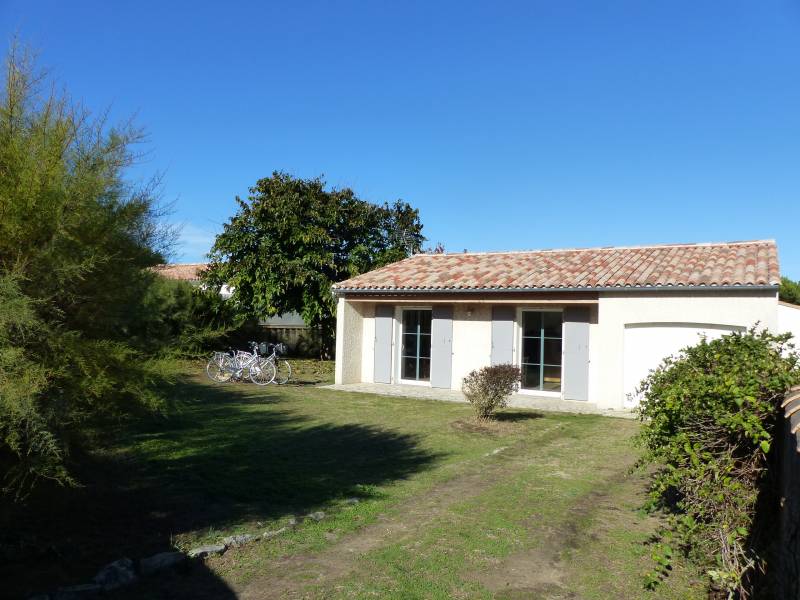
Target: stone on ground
(160,562)
(207,550)
(235,541)
(268,535)
(116,575)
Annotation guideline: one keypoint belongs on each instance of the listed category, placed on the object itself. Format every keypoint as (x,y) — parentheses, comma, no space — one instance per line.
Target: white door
(647,344)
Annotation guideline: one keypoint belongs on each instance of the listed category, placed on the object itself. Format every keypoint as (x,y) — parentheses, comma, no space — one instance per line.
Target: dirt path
(541,572)
(290,575)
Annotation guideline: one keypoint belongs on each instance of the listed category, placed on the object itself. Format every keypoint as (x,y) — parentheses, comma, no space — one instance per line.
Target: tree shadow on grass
(274,463)
(191,581)
(219,461)
(518,416)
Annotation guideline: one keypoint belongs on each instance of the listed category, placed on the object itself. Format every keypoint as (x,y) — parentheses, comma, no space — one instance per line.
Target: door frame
(518,349)
(398,345)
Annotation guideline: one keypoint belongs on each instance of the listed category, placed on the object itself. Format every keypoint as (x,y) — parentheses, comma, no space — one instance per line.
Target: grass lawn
(534,506)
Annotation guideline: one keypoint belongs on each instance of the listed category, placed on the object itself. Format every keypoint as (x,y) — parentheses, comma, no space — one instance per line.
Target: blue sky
(509,125)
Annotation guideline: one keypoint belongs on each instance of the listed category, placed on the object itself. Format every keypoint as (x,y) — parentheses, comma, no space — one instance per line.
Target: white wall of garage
(680,310)
(789,321)
(647,344)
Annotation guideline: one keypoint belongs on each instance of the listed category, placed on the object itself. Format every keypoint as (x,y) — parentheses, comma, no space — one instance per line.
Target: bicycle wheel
(262,372)
(216,368)
(283,372)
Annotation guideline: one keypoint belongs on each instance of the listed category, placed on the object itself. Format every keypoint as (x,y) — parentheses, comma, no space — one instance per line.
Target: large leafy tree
(292,239)
(76,241)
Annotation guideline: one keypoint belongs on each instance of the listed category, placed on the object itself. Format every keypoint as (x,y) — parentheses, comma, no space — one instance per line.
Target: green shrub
(183,320)
(709,418)
(789,291)
(489,388)
(77,240)
(28,446)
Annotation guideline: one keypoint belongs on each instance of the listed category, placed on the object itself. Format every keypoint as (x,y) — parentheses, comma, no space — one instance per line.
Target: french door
(541,350)
(415,348)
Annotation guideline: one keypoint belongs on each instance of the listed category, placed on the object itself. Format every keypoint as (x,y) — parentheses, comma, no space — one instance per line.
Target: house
(189,272)
(582,324)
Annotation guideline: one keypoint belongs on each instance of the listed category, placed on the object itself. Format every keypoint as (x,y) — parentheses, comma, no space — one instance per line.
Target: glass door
(541,350)
(415,354)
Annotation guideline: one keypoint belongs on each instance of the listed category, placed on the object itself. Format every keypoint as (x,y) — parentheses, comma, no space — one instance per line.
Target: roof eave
(485,290)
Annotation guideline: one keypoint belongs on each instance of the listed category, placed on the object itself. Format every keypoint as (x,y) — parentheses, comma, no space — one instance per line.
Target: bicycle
(283,369)
(224,366)
(218,368)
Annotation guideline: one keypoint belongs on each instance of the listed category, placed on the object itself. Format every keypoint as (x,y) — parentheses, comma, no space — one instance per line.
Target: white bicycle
(273,353)
(238,365)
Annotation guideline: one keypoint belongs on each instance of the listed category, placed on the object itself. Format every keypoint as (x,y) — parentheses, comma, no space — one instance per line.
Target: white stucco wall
(616,310)
(349,341)
(789,321)
(472,332)
(472,340)
(646,345)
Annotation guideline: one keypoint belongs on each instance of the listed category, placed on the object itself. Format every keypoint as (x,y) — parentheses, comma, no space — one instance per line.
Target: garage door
(647,344)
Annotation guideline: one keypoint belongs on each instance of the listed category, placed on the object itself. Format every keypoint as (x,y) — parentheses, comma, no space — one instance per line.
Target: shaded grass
(238,458)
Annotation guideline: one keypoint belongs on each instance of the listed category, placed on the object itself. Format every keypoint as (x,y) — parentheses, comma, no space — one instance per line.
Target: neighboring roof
(184,272)
(732,264)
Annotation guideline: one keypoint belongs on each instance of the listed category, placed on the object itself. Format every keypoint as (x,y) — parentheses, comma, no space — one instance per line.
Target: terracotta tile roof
(690,265)
(184,272)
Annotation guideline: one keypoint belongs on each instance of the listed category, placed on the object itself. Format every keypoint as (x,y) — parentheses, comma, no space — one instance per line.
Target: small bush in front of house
(709,417)
(489,388)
